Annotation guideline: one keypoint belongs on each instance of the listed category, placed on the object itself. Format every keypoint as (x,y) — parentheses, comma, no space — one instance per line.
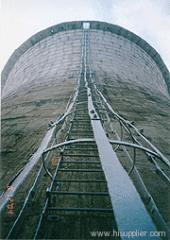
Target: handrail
(162,157)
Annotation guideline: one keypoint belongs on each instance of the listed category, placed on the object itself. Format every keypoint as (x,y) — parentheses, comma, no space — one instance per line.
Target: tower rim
(73,25)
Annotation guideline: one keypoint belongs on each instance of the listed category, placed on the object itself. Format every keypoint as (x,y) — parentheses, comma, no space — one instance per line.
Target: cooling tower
(43,72)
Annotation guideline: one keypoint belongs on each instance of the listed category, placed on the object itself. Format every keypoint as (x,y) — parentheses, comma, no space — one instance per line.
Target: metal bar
(159,170)
(81,119)
(78,120)
(41,219)
(80,180)
(82,114)
(79,124)
(84,131)
(44,165)
(165,160)
(81,149)
(79,155)
(88,162)
(79,134)
(163,176)
(80,209)
(135,146)
(79,103)
(27,169)
(79,170)
(134,160)
(122,189)
(111,141)
(83,144)
(80,193)
(85,140)
(22,215)
(147,198)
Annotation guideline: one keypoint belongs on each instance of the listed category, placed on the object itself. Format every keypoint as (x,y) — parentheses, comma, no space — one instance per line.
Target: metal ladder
(90,194)
(90,190)
(78,196)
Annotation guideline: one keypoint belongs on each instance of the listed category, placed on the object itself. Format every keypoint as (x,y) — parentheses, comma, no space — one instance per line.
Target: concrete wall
(47,50)
(54,58)
(54,55)
(42,73)
(113,56)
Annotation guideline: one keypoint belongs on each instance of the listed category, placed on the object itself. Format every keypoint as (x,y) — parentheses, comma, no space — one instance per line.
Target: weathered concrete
(50,48)
(49,58)
(40,78)
(113,55)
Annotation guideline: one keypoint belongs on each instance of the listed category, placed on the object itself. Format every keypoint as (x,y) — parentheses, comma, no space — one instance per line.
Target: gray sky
(20,19)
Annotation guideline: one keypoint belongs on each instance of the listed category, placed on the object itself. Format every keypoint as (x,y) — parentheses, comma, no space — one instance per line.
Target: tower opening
(86,25)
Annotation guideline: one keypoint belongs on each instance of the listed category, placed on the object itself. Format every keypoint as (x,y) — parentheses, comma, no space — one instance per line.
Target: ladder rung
(75,131)
(82,114)
(87,162)
(81,149)
(83,118)
(80,209)
(80,180)
(82,144)
(79,123)
(79,155)
(80,134)
(71,138)
(80,193)
(76,120)
(79,170)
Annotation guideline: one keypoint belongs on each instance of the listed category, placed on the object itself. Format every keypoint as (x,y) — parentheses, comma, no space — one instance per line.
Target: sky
(20,19)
